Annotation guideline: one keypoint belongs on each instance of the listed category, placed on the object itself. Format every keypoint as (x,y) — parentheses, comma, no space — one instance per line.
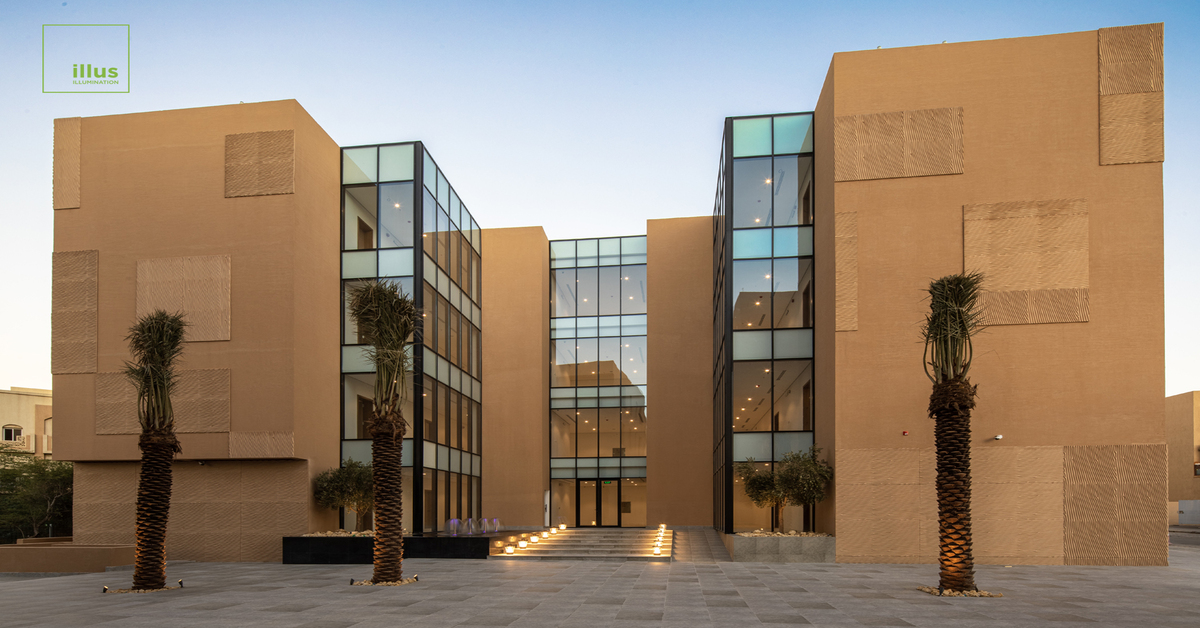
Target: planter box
(54,557)
(359,550)
(780,549)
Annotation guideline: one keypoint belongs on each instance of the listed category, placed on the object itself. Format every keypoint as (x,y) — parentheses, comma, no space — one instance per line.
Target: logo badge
(85,58)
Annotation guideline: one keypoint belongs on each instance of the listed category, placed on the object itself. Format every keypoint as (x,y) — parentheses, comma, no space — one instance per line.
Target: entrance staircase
(592,544)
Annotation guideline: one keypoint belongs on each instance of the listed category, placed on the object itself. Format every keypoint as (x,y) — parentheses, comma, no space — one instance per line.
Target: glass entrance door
(610,503)
(589,511)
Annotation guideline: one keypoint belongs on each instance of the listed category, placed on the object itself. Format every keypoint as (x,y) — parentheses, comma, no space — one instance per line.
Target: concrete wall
(516,374)
(925,137)
(1183,446)
(679,380)
(230,214)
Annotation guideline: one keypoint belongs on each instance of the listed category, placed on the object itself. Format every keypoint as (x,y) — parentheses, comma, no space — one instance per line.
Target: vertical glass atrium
(763,309)
(598,420)
(403,222)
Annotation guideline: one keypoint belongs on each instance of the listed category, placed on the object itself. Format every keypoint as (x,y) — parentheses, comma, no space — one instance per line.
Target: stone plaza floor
(599,594)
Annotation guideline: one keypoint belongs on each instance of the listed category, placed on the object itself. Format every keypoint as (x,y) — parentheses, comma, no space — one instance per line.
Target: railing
(47,444)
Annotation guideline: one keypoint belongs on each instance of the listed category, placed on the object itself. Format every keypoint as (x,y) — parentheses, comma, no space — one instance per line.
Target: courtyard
(704,589)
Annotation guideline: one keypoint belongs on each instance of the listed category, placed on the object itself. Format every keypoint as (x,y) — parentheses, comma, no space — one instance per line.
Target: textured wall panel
(229,511)
(197,286)
(1131,59)
(116,405)
(1034,257)
(887,506)
(259,164)
(73,312)
(1131,128)
(1112,505)
(67,147)
(1131,94)
(200,400)
(846,274)
(894,144)
(260,445)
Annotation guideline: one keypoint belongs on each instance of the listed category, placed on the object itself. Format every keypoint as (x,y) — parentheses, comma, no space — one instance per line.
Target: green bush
(797,479)
(349,487)
(35,495)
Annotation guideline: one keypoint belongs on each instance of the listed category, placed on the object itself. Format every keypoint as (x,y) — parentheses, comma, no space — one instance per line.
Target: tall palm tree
(385,319)
(953,319)
(156,342)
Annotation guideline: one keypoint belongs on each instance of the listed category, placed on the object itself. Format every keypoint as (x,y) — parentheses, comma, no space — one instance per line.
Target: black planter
(358,550)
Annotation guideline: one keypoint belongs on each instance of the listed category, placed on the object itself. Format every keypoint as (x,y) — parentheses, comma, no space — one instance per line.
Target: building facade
(26,421)
(786,318)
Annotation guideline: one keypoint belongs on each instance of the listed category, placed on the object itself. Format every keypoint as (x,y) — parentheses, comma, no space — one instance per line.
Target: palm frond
(954,318)
(155,342)
(385,318)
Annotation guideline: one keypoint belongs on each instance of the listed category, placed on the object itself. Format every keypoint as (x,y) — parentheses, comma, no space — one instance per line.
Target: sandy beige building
(618,381)
(26,420)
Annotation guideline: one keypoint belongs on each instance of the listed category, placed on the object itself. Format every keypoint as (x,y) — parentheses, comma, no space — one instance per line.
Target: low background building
(26,420)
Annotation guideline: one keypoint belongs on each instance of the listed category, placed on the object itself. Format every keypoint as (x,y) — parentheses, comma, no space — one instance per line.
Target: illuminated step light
(508,549)
(522,544)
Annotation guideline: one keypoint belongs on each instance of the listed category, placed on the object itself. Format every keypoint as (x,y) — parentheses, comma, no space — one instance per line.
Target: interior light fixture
(397,204)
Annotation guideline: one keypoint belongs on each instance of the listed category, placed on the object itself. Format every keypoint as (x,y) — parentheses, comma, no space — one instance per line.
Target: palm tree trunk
(950,405)
(387,435)
(153,508)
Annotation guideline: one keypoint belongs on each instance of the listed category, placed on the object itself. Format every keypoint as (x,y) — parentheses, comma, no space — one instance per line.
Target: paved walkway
(599,594)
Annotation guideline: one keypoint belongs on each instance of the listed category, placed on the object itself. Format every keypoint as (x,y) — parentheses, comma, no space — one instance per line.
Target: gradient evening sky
(584,117)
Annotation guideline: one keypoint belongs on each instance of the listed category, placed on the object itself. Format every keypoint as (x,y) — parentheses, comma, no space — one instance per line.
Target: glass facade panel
(354,360)
(609,294)
(793,343)
(360,264)
(587,253)
(360,211)
(792,442)
(610,252)
(751,345)
(793,134)
(396,163)
(751,243)
(633,290)
(752,294)
(786,186)
(588,288)
(394,262)
(793,395)
(633,250)
(562,254)
(752,397)
(752,192)
(752,445)
(359,165)
(563,293)
(395,215)
(751,136)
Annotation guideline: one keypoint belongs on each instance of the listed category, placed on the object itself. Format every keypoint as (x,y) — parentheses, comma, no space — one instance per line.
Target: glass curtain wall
(762,309)
(598,419)
(402,222)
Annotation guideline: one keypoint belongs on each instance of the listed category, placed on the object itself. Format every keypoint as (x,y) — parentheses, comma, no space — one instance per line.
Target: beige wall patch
(261,445)
(67,148)
(200,400)
(1034,258)
(845,245)
(260,164)
(1113,505)
(1131,94)
(197,286)
(73,312)
(917,143)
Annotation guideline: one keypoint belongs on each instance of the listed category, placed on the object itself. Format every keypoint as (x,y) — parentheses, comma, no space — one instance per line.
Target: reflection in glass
(751,396)
(633,431)
(633,503)
(610,433)
(633,359)
(633,289)
(752,294)
(562,371)
(562,433)
(747,516)
(562,503)
(564,292)
(608,365)
(429,226)
(786,185)
(792,285)
(752,185)
(350,335)
(358,231)
(793,394)
(588,354)
(588,511)
(751,243)
(609,289)
(588,438)
(587,291)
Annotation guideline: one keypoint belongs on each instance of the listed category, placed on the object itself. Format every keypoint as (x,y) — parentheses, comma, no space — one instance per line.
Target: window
(12,432)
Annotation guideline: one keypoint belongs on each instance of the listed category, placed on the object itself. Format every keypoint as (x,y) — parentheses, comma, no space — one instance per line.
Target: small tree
(798,479)
(34,494)
(349,487)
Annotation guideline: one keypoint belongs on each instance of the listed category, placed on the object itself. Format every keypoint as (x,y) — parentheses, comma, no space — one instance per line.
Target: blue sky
(584,117)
